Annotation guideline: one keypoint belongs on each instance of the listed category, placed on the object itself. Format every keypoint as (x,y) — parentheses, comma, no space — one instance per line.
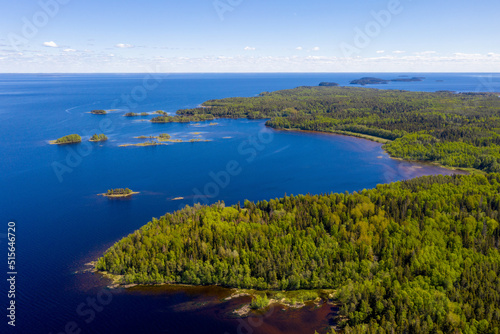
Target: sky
(90,36)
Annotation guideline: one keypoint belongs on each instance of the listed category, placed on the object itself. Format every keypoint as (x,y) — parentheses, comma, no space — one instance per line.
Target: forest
(416,256)
(69,139)
(182,118)
(453,129)
(101,137)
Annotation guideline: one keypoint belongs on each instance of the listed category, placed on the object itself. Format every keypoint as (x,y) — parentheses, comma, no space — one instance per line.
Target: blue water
(50,191)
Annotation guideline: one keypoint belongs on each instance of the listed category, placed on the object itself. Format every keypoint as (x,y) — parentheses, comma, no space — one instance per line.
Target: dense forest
(69,139)
(417,256)
(457,130)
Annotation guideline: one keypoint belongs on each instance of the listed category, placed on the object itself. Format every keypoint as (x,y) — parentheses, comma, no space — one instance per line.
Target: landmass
(98,138)
(369,81)
(377,81)
(119,192)
(99,112)
(458,130)
(427,246)
(182,119)
(69,139)
(414,256)
(147,143)
(328,84)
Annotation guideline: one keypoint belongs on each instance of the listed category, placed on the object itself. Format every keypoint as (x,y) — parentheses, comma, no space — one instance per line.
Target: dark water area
(51,191)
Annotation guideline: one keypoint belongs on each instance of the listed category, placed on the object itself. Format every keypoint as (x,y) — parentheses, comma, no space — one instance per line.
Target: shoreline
(382,141)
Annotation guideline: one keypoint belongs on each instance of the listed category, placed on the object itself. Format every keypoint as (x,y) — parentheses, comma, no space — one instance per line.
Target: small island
(377,81)
(160,112)
(119,192)
(69,139)
(99,112)
(131,114)
(97,138)
(328,84)
(369,81)
(147,143)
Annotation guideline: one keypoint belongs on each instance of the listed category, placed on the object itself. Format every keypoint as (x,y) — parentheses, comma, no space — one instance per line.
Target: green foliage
(164,136)
(98,112)
(144,114)
(460,130)
(182,119)
(101,137)
(419,256)
(119,191)
(69,139)
(131,114)
(259,302)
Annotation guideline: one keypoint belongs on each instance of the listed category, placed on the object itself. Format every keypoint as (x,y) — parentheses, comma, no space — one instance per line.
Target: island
(98,138)
(69,139)
(99,112)
(119,192)
(414,256)
(160,112)
(328,84)
(377,81)
(131,114)
(182,118)
(147,143)
(369,81)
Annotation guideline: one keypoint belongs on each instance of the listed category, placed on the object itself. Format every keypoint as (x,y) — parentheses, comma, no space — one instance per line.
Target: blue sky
(249,36)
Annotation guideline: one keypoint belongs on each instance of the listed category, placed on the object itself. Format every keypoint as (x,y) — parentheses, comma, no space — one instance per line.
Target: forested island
(455,130)
(376,81)
(119,192)
(99,112)
(98,138)
(182,118)
(417,256)
(69,139)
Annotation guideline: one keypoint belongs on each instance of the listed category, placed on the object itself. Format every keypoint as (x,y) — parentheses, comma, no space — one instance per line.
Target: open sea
(50,191)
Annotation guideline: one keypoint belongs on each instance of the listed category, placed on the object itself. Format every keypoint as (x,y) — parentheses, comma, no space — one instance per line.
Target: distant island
(182,119)
(148,143)
(378,81)
(69,139)
(119,192)
(328,84)
(133,114)
(99,112)
(97,138)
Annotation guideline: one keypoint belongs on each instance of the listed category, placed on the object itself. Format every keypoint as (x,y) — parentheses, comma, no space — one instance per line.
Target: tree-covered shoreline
(419,255)
(452,129)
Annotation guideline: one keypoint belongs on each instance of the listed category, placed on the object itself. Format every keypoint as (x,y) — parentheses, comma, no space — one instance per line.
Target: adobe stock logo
(31,26)
(372,29)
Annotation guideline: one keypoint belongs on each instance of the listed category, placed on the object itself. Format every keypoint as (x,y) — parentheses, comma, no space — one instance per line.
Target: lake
(51,191)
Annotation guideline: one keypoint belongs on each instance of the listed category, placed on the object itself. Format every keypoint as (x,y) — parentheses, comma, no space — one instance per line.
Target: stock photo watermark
(224,6)
(363,36)
(74,157)
(11,273)
(31,26)
(249,150)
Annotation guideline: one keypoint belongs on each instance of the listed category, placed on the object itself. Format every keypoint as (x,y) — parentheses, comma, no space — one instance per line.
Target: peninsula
(415,256)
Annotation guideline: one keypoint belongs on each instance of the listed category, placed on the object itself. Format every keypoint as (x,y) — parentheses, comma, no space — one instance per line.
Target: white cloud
(69,50)
(298,48)
(124,46)
(249,48)
(425,53)
(316,48)
(380,51)
(50,44)
(398,52)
